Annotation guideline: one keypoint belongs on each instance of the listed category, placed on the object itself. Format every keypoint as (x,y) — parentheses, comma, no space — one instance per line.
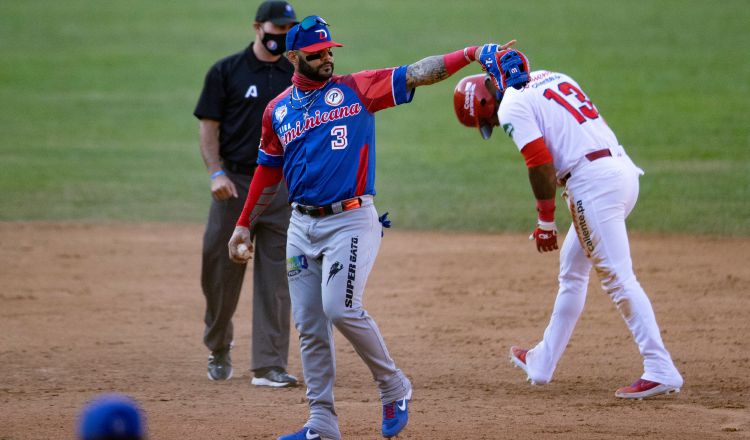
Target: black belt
(333,208)
(238,168)
(594,155)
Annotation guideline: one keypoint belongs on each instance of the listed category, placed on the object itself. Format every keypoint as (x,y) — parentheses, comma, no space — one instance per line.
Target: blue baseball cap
(310,35)
(111,416)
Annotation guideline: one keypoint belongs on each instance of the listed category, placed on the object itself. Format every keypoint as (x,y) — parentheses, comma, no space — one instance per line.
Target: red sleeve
(374,88)
(459,59)
(536,153)
(270,150)
(263,188)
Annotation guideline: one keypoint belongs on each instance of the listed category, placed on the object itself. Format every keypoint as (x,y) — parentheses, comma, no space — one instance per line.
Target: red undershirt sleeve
(263,188)
(536,153)
(459,59)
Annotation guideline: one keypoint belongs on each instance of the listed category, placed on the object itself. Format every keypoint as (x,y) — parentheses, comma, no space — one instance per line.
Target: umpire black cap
(277,12)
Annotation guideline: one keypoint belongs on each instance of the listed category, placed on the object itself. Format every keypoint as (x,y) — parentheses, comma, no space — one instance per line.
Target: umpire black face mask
(274,43)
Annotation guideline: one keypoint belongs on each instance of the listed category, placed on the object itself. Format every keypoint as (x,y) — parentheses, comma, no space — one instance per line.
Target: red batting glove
(545,236)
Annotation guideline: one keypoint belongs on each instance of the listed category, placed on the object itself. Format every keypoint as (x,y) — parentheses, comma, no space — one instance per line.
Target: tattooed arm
(439,67)
(425,72)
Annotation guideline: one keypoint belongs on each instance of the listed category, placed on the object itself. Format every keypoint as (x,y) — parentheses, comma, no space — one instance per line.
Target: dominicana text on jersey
(325,138)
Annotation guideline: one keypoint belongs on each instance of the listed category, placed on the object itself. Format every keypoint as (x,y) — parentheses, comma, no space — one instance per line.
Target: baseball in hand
(243,251)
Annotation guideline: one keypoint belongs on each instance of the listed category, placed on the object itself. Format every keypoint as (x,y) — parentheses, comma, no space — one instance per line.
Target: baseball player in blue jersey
(320,136)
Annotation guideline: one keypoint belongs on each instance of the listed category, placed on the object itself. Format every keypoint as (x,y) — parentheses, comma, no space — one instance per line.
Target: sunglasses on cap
(307,24)
(311,21)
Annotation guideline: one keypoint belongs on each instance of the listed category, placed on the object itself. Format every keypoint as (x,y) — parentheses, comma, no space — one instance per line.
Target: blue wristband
(217,174)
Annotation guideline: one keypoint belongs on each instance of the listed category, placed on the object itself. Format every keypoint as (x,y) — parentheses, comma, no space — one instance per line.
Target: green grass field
(97,99)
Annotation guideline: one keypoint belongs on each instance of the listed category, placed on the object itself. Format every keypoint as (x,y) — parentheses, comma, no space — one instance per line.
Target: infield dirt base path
(86,309)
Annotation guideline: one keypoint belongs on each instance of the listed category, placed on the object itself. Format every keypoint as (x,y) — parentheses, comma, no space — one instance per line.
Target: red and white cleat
(641,389)
(518,358)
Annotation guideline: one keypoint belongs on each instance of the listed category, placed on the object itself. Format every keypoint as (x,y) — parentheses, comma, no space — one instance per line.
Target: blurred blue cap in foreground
(111,417)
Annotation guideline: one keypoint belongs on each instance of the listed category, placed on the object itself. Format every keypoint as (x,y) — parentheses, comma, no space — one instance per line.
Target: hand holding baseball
(244,251)
(240,246)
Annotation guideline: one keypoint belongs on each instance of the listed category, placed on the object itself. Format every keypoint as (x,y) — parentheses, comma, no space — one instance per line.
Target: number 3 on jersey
(587,110)
(339,141)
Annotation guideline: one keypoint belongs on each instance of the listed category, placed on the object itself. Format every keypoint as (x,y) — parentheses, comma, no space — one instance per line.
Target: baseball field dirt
(93,308)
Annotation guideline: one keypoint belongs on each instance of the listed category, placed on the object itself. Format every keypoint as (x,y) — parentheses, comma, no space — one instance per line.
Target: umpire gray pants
(221,279)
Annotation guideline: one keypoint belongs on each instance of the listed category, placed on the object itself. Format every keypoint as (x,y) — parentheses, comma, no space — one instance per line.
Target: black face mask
(274,43)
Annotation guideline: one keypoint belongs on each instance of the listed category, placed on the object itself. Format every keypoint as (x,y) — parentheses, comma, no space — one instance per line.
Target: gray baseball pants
(329,260)
(222,279)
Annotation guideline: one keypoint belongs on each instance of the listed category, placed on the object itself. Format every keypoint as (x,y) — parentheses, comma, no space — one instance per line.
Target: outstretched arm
(427,71)
(439,67)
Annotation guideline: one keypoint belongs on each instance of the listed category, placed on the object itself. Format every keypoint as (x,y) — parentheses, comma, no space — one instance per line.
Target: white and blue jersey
(327,146)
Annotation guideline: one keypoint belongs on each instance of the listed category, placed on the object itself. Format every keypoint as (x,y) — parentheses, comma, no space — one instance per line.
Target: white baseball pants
(601,194)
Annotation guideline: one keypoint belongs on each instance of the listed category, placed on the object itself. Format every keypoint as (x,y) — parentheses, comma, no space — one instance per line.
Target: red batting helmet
(474,104)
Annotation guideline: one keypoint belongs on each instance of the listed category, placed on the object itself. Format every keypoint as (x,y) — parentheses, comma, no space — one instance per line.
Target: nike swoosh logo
(402,405)
(311,436)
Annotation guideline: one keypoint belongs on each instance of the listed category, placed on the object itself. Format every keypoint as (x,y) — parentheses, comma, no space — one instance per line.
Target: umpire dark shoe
(273,377)
(220,365)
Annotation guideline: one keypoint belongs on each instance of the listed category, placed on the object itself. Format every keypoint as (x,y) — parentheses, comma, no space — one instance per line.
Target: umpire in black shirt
(236,91)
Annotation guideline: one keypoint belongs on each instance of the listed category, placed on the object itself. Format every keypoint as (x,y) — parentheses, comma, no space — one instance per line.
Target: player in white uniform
(566,141)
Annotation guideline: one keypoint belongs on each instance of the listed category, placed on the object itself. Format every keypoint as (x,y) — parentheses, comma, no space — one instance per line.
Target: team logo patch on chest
(280,113)
(334,97)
